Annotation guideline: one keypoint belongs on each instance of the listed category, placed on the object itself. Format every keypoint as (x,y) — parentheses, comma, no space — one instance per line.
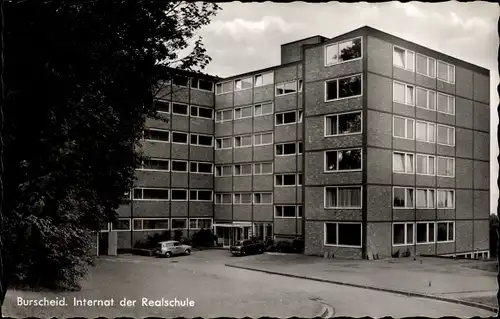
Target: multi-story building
(360,144)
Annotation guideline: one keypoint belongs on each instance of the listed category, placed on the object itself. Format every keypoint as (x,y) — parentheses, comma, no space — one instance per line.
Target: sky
(244,37)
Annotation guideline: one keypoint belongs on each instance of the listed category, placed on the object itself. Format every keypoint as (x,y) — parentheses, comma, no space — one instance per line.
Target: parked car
(247,247)
(170,248)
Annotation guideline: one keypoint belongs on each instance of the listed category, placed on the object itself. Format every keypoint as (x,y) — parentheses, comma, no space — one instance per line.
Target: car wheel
(168,254)
(187,251)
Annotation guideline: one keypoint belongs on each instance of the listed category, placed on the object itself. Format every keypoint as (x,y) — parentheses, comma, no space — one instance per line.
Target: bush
(177,234)
(152,241)
(203,238)
(298,245)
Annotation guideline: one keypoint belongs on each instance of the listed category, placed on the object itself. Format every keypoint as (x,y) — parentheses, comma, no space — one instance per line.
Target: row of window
(282,118)
(197,84)
(423,131)
(244,112)
(166,136)
(184,109)
(157,224)
(262,168)
(260,139)
(165,194)
(245,83)
(426,99)
(181,166)
(426,164)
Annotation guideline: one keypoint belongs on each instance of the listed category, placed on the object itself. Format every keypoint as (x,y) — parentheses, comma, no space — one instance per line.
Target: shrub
(152,241)
(298,245)
(203,238)
(177,234)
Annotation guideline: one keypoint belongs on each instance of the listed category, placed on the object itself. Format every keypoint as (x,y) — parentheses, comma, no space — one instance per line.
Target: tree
(80,82)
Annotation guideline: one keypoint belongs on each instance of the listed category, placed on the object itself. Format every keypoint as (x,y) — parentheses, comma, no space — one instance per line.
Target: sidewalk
(437,278)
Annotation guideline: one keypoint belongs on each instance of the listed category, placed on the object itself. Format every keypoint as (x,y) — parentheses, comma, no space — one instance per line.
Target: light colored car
(170,248)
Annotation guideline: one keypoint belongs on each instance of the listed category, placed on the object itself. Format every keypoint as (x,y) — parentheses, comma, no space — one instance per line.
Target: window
(202,140)
(179,223)
(264,79)
(179,166)
(223,199)
(286,118)
(151,194)
(200,195)
(445,199)
(155,164)
(403,93)
(242,169)
(162,106)
(402,234)
(263,109)
(343,234)
(426,66)
(286,149)
(285,211)
(178,194)
(242,112)
(300,115)
(263,198)
(263,139)
(343,124)
(223,170)
(299,179)
(404,59)
(426,132)
(202,85)
(426,232)
(341,88)
(285,180)
(299,146)
(445,166)
(301,83)
(180,80)
(299,211)
(243,141)
(446,72)
(243,84)
(222,88)
(156,135)
(343,197)
(426,164)
(122,224)
(223,116)
(426,99)
(200,223)
(426,198)
(446,104)
(286,88)
(343,160)
(179,138)
(263,168)
(343,51)
(402,163)
(203,112)
(223,143)
(242,198)
(201,168)
(445,135)
(179,109)
(403,127)
(403,197)
(445,231)
(151,223)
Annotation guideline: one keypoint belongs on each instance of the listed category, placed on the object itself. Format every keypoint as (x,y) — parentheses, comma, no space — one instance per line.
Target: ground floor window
(200,223)
(402,234)
(445,231)
(343,234)
(179,223)
(151,224)
(122,224)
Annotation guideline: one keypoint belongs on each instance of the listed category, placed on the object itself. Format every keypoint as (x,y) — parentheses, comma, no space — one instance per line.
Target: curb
(394,291)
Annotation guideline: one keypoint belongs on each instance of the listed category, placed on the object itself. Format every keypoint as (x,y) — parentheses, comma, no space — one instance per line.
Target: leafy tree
(80,80)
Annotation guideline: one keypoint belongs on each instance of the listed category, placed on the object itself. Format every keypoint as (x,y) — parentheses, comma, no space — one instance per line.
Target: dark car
(247,247)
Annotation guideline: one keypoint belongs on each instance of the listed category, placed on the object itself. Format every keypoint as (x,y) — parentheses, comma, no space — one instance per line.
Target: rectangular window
(286,149)
(243,141)
(155,135)
(299,179)
(403,197)
(223,116)
(202,140)
(200,223)
(426,232)
(162,106)
(264,168)
(180,80)
(402,234)
(202,85)
(343,234)
(300,115)
(179,166)
(403,93)
(286,88)
(426,132)
(122,224)
(445,135)
(285,211)
(202,112)
(222,88)
(151,224)
(242,169)
(179,109)
(445,232)
(343,160)
(242,198)
(286,118)
(179,137)
(201,168)
(223,143)
(223,170)
(223,199)
(446,104)
(404,59)
(343,197)
(242,112)
(263,139)
(445,166)
(344,51)
(343,124)
(426,198)
(402,163)
(445,199)
(345,87)
(426,164)
(403,127)
(426,99)
(243,84)
(155,164)
(178,194)
(151,194)
(446,72)
(263,109)
(299,211)
(426,66)
(301,84)
(263,198)
(264,79)
(299,147)
(179,223)
(200,195)
(285,180)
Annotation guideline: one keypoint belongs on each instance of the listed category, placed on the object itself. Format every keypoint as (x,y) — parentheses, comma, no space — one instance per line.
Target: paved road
(222,291)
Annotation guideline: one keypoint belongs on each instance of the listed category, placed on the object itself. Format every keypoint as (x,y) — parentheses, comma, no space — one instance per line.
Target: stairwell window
(343,124)
(343,160)
(345,87)
(404,59)
(343,197)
